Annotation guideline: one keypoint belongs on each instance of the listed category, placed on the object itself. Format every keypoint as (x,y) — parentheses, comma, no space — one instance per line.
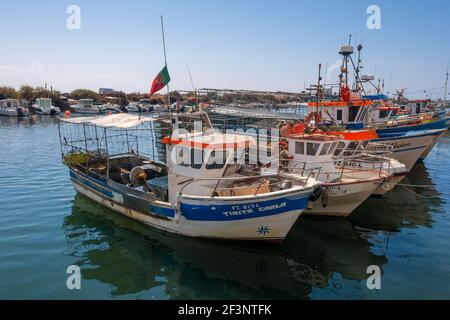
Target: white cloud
(35,66)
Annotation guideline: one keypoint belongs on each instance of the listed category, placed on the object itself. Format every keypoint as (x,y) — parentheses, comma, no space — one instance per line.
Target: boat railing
(251,189)
(358,168)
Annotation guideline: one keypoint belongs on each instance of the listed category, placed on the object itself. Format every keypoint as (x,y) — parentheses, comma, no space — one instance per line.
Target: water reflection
(409,207)
(131,258)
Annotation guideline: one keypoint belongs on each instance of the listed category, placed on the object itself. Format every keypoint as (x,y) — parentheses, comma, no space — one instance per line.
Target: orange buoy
(67,113)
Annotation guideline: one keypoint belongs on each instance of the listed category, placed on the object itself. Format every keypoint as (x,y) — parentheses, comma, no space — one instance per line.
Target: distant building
(105,91)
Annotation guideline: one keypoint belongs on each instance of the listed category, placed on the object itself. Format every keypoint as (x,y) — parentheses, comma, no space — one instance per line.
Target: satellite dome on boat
(346,50)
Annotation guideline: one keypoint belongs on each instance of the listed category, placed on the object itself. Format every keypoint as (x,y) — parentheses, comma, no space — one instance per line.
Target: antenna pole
(193,86)
(318,96)
(165,62)
(445,91)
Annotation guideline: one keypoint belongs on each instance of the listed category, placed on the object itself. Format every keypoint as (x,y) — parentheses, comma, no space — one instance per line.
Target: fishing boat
(87,106)
(347,183)
(132,107)
(198,191)
(145,105)
(353,152)
(12,108)
(44,106)
(112,105)
(408,147)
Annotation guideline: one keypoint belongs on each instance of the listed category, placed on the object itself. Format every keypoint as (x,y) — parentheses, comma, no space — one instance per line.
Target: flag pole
(165,62)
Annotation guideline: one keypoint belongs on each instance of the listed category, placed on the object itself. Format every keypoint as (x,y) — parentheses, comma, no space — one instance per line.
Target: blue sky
(246,44)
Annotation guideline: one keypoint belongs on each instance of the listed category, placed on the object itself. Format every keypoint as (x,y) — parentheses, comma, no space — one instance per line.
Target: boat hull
(343,198)
(434,125)
(388,184)
(271,221)
(408,149)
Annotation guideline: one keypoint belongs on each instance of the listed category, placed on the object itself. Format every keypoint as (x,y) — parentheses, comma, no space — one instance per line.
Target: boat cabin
(86,102)
(44,103)
(309,150)
(9,103)
(203,156)
(145,102)
(355,113)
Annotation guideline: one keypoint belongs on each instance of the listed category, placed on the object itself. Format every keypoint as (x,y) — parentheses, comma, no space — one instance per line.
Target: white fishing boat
(346,187)
(145,105)
(44,106)
(87,106)
(12,108)
(132,107)
(198,191)
(112,105)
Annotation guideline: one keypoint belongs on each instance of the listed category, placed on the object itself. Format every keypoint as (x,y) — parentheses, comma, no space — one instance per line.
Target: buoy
(67,113)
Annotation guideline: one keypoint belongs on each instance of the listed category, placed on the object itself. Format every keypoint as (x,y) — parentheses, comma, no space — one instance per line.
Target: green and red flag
(161,80)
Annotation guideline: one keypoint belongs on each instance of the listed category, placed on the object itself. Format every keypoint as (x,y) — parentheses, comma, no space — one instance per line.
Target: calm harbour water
(45,227)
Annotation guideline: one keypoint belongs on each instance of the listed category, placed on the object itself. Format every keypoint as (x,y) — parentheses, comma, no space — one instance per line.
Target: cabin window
(217,159)
(332,148)
(196,158)
(351,148)
(383,114)
(339,148)
(363,145)
(352,113)
(182,157)
(339,115)
(311,148)
(300,147)
(325,149)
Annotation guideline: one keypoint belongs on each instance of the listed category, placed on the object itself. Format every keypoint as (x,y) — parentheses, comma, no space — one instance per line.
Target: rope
(420,195)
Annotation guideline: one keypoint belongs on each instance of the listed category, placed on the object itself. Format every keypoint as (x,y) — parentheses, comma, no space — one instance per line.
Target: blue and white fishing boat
(200,190)
(408,147)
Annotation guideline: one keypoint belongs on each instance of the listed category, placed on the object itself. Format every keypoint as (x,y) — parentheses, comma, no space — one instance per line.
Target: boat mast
(165,62)
(318,97)
(446,87)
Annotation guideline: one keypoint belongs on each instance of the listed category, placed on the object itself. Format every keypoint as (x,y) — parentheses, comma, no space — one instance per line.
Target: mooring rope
(406,187)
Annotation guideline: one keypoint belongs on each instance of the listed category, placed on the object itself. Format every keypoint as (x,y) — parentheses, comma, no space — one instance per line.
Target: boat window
(339,115)
(332,148)
(352,113)
(299,147)
(351,148)
(339,148)
(196,158)
(363,145)
(182,157)
(325,149)
(311,148)
(217,159)
(383,113)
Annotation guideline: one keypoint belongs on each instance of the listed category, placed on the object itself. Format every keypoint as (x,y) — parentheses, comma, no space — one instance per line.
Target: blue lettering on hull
(216,212)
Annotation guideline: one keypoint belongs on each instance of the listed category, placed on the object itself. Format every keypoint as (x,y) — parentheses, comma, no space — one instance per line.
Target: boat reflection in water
(325,254)
(403,207)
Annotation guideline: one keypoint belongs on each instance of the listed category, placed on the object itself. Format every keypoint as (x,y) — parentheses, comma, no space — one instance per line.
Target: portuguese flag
(161,80)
